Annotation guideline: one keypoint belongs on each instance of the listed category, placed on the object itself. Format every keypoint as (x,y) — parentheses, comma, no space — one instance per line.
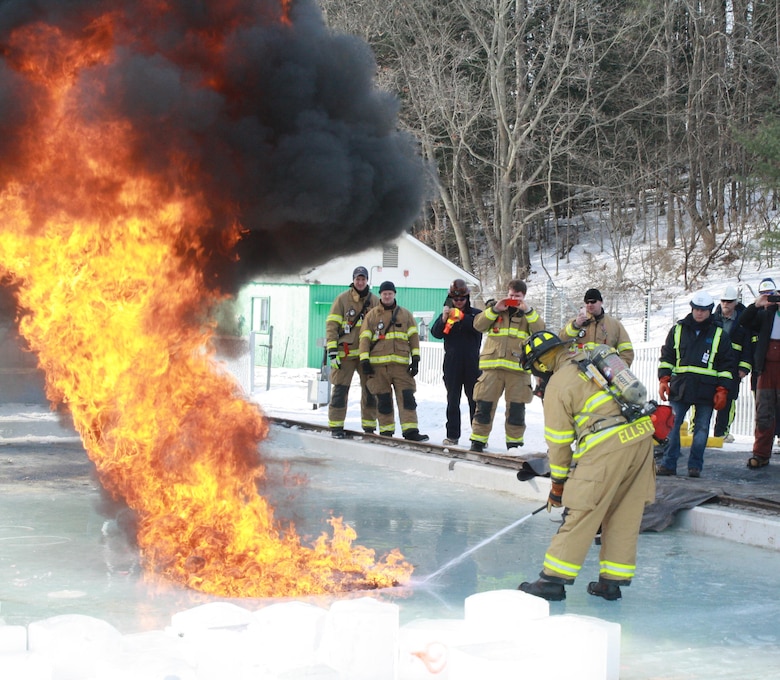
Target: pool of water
(699,607)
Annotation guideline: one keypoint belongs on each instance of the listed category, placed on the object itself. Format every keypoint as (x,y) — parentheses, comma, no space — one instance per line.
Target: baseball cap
(360,271)
(387,285)
(766,286)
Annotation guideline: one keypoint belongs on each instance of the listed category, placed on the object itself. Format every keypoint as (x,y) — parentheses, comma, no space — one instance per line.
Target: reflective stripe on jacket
(386,338)
(698,359)
(605,331)
(505,334)
(342,327)
(578,413)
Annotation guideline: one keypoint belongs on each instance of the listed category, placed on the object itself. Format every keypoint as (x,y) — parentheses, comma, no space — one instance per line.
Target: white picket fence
(644,367)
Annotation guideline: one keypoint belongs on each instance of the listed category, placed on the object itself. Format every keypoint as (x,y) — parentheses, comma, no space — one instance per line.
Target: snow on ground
(287,397)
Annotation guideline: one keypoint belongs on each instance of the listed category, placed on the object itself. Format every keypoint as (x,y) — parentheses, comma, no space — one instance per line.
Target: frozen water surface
(699,607)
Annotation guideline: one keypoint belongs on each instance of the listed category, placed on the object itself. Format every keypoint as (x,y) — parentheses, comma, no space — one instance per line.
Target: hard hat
(730,293)
(459,288)
(702,300)
(766,286)
(539,343)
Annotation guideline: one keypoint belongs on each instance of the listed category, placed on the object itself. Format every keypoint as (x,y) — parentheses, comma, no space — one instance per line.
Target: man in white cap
(697,368)
(727,314)
(763,318)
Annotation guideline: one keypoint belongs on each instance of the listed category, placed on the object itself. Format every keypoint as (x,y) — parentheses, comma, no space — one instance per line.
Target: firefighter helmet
(459,288)
(537,345)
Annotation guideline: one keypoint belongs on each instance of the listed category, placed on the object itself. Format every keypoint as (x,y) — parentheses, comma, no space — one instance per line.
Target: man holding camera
(593,326)
(762,317)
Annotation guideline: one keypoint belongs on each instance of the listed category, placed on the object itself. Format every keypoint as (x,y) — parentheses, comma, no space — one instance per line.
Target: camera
(773,298)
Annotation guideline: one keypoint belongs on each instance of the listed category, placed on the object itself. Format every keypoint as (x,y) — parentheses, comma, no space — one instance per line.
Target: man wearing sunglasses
(461,354)
(727,314)
(593,326)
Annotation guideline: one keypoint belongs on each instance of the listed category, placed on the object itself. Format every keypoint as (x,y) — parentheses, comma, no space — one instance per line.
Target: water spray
(490,539)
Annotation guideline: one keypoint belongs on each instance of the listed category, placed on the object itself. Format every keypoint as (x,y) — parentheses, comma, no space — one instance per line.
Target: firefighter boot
(605,588)
(413,435)
(545,589)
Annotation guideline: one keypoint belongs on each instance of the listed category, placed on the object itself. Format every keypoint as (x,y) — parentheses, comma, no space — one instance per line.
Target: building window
(261,314)
(390,255)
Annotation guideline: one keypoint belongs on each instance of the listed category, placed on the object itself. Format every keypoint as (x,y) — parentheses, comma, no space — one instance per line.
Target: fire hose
(490,539)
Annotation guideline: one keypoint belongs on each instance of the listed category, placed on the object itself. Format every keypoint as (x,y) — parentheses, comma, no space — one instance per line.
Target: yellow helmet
(539,343)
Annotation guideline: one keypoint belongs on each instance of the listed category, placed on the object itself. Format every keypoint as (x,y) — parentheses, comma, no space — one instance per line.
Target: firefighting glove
(555,499)
(663,388)
(414,367)
(721,397)
(368,369)
(333,358)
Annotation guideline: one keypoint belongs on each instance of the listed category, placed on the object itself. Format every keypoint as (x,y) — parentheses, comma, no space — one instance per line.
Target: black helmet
(539,343)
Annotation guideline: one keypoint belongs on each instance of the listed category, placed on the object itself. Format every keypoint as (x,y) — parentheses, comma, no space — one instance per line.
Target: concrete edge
(739,527)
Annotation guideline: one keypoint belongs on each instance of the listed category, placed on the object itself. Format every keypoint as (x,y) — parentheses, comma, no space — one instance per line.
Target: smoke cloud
(254,104)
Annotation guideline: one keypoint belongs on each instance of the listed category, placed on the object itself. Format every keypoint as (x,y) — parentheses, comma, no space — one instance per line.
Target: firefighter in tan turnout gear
(507,324)
(593,326)
(601,468)
(390,357)
(342,331)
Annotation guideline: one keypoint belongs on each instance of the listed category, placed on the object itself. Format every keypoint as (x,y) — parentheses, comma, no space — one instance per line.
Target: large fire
(108,261)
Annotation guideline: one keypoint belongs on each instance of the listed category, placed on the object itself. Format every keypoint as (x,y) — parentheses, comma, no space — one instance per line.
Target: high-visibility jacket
(579,415)
(699,358)
(345,320)
(505,334)
(389,336)
(605,330)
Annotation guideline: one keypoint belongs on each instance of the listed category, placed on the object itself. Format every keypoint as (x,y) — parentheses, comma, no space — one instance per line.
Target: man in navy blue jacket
(461,354)
(697,368)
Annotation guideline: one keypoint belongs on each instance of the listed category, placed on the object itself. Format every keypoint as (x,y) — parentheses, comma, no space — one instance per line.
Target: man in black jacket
(763,317)
(697,368)
(461,354)
(727,315)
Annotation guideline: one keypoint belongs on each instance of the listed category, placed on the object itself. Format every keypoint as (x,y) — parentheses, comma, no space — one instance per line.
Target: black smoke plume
(277,117)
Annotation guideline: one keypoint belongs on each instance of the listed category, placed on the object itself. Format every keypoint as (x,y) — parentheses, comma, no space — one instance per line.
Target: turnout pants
(341,380)
(609,488)
(386,379)
(767,402)
(516,388)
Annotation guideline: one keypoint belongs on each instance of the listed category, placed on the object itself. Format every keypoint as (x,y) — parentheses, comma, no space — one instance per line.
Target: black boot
(414,435)
(477,447)
(545,589)
(605,588)
(338,433)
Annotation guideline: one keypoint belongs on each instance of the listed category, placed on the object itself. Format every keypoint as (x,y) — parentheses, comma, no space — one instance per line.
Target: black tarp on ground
(669,501)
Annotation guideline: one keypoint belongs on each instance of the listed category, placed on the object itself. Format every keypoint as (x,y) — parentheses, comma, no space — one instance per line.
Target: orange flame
(108,266)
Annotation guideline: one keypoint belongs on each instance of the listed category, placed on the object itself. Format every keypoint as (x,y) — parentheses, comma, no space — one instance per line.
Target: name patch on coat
(635,430)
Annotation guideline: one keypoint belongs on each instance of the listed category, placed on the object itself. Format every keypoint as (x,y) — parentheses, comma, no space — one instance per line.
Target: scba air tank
(618,374)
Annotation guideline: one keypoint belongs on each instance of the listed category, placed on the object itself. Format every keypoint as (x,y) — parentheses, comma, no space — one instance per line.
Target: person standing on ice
(461,354)
(601,469)
(696,369)
(507,324)
(342,331)
(390,357)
